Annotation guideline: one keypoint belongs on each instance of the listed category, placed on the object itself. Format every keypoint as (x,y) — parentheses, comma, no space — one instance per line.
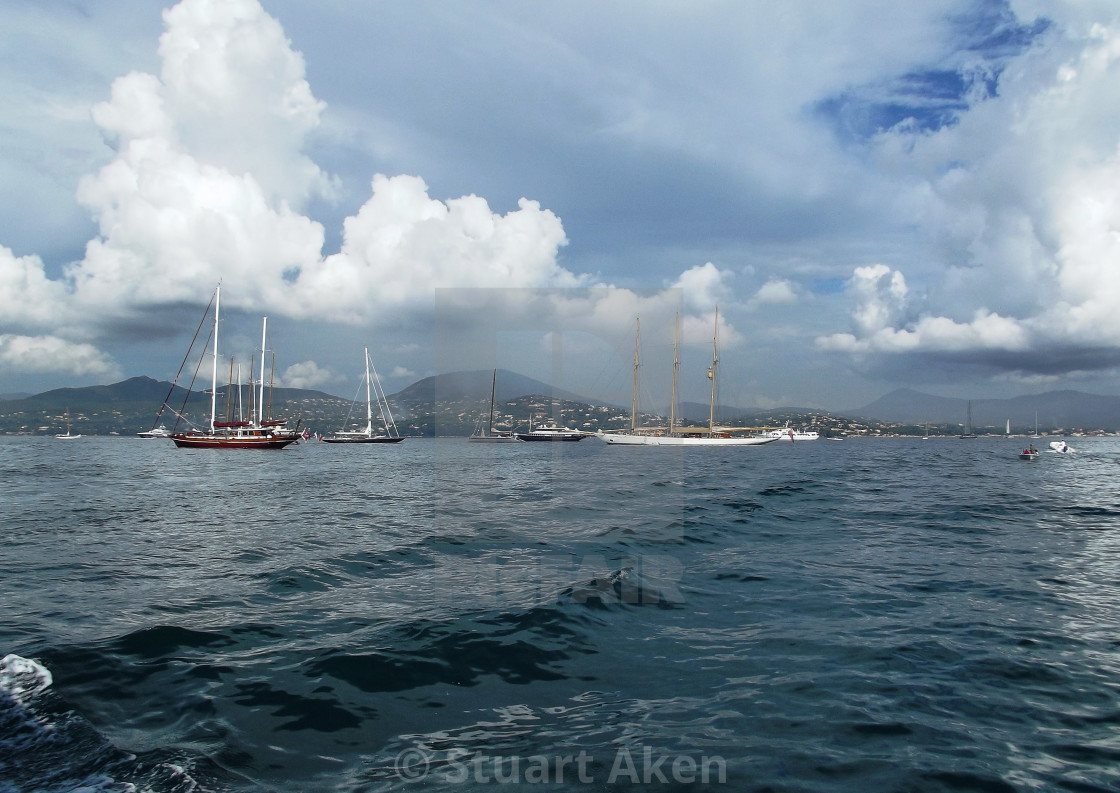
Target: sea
(865,615)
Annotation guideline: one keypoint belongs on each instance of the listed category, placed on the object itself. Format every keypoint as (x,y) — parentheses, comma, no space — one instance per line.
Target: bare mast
(634,391)
(271,385)
(493,389)
(369,407)
(260,401)
(214,374)
(676,369)
(712,377)
(229,391)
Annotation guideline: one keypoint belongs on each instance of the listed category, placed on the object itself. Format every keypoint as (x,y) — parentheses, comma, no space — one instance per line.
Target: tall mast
(260,402)
(712,377)
(634,392)
(214,373)
(240,406)
(252,391)
(369,409)
(493,388)
(271,385)
(383,405)
(676,368)
(229,390)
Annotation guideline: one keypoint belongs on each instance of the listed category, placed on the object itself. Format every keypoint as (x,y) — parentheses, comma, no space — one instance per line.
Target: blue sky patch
(935,96)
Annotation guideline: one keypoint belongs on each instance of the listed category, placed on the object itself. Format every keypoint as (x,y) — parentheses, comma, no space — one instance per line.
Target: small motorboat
(1029,453)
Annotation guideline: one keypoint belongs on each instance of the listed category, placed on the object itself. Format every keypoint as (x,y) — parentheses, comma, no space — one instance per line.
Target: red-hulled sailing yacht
(257,433)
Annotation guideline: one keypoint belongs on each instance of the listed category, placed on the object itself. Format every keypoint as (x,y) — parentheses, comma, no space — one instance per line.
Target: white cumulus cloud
(776,291)
(52,354)
(308,374)
(402,244)
(31,298)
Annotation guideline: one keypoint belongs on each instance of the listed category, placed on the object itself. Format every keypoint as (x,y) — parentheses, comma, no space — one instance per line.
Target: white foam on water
(48,749)
(22,677)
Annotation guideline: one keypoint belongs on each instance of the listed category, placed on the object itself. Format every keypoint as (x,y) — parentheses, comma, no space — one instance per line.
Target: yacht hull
(673,440)
(220,442)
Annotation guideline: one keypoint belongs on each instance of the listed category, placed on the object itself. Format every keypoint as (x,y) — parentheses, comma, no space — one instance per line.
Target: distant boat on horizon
(487,434)
(66,436)
(968,423)
(787,433)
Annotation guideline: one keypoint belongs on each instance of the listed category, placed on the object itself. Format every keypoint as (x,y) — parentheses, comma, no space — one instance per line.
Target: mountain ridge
(463,397)
(1054,409)
(474,384)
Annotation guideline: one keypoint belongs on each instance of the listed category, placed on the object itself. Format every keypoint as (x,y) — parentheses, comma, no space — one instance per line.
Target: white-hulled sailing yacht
(712,435)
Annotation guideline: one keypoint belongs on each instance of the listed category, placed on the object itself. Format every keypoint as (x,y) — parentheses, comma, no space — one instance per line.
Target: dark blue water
(882,615)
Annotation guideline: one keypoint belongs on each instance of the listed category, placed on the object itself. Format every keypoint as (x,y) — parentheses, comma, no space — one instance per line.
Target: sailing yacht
(67,436)
(712,435)
(486,434)
(968,433)
(257,433)
(390,434)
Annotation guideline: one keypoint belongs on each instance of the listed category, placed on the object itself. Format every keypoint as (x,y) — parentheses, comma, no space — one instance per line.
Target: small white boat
(155,432)
(1029,453)
(1061,447)
(787,433)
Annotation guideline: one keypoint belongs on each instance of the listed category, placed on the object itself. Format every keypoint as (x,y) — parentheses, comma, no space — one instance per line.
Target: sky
(873,194)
